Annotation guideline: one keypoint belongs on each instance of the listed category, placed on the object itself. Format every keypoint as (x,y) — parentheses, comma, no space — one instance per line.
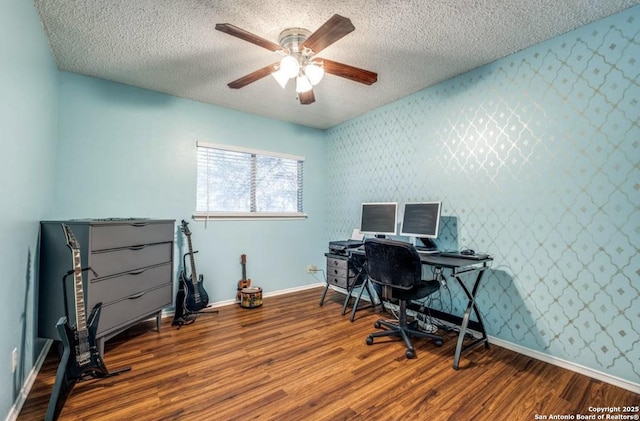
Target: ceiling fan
(299,47)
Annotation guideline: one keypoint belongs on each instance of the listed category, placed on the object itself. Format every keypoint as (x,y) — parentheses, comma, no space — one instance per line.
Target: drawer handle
(135,297)
(139,224)
(140,247)
(136,272)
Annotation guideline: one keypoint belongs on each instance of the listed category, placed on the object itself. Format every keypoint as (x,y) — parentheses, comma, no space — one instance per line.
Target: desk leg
(350,288)
(475,309)
(365,284)
(347,298)
(324,294)
(461,335)
(465,321)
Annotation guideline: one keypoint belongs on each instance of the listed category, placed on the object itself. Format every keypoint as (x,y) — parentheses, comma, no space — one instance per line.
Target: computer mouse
(468,252)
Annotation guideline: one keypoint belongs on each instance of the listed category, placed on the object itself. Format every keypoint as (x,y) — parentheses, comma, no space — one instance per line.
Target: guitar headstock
(185,228)
(243,259)
(72,242)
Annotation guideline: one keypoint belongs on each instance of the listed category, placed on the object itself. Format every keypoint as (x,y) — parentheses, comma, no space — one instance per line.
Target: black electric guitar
(80,357)
(195,297)
(180,315)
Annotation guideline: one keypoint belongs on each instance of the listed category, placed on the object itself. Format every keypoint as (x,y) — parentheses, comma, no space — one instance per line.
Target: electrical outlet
(312,268)
(14,360)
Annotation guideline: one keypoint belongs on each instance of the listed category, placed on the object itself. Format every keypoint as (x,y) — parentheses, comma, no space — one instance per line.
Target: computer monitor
(421,220)
(379,218)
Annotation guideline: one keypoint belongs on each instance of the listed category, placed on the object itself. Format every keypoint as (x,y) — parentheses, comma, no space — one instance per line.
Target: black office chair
(396,266)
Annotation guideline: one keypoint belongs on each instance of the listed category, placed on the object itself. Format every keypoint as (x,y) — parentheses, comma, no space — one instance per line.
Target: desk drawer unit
(131,276)
(339,271)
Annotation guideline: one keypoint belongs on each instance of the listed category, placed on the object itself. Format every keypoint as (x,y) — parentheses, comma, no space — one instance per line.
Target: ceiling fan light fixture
(303,84)
(289,66)
(297,48)
(314,71)
(281,77)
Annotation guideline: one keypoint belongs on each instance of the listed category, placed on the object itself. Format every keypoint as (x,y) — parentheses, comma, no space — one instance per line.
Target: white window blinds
(240,182)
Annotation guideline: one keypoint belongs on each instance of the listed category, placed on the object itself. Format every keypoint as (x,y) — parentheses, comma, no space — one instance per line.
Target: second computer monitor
(379,218)
(421,219)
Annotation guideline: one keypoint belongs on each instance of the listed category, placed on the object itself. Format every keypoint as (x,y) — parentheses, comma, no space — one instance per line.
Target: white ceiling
(172,47)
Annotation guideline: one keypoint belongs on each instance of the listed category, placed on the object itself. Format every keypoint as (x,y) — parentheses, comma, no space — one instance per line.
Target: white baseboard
(294,289)
(170,312)
(598,375)
(28,384)
(269,294)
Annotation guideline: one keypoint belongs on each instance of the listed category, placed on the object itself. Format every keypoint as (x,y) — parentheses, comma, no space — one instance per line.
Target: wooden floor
(294,360)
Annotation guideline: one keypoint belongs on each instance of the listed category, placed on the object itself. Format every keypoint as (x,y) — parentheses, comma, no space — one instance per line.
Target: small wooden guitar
(196,298)
(244,282)
(80,357)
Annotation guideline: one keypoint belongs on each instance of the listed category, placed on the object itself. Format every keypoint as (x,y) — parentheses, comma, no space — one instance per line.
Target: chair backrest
(393,263)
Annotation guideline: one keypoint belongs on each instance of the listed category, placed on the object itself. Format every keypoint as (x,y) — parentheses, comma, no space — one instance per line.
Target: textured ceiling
(172,47)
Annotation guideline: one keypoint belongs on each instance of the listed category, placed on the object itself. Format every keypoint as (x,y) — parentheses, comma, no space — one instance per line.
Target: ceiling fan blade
(253,76)
(335,28)
(232,30)
(307,98)
(349,72)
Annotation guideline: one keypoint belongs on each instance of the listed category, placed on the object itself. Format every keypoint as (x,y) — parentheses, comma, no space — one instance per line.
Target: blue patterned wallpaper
(536,159)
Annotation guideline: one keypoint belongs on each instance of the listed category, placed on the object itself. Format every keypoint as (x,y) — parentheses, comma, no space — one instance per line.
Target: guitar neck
(194,276)
(81,319)
(243,262)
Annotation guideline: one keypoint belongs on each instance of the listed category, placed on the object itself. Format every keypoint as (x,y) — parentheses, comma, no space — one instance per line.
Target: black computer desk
(458,267)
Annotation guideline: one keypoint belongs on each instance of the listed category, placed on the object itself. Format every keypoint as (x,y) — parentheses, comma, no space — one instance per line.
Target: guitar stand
(63,385)
(96,375)
(190,316)
(187,317)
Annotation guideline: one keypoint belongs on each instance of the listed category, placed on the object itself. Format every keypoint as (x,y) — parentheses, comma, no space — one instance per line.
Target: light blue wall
(535,158)
(28,109)
(129,152)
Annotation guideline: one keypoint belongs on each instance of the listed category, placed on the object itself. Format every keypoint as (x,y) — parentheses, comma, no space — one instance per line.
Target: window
(237,183)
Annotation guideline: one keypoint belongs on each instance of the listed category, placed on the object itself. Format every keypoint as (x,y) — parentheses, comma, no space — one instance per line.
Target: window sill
(248,216)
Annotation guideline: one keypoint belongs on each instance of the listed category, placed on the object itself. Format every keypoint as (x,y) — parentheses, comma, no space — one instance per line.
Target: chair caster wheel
(377,325)
(369,340)
(438,343)
(410,353)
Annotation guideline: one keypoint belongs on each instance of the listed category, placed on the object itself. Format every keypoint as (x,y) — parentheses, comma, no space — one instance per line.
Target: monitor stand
(428,244)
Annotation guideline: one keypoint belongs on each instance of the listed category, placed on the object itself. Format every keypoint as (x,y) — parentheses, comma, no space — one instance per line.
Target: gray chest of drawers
(132,272)
(340,271)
